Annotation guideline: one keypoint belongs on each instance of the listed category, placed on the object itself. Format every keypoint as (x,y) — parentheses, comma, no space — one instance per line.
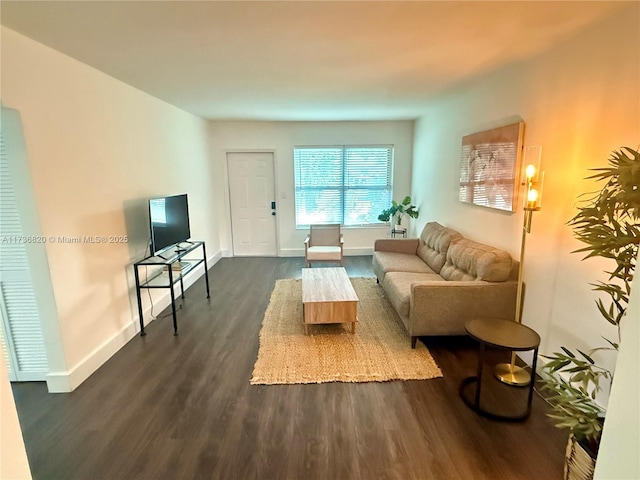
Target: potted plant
(398,210)
(609,223)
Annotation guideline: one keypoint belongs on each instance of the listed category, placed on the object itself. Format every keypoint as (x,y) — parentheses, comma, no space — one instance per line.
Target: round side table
(505,335)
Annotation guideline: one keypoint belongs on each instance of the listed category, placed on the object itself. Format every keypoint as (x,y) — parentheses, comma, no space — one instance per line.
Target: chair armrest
(307,240)
(397,245)
(443,307)
(341,239)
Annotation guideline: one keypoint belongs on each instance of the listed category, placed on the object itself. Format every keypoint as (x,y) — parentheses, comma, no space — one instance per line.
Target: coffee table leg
(353,328)
(304,321)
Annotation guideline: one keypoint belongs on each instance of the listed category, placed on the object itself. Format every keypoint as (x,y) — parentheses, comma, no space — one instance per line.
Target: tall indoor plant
(608,222)
(398,210)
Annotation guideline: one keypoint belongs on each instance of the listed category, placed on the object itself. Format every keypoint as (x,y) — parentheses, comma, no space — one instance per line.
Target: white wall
(97,149)
(618,455)
(281,137)
(579,101)
(13,456)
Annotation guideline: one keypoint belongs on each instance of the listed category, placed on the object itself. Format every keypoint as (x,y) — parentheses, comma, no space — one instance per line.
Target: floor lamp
(510,373)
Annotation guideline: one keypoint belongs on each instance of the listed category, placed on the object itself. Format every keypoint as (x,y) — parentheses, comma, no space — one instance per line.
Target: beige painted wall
(97,149)
(579,101)
(281,137)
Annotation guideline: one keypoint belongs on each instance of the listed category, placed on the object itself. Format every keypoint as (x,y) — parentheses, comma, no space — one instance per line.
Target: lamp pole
(510,373)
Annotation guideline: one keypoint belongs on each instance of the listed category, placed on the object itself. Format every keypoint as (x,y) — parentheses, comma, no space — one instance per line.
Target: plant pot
(398,229)
(579,462)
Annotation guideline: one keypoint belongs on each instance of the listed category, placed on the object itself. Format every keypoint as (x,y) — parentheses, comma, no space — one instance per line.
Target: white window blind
(349,185)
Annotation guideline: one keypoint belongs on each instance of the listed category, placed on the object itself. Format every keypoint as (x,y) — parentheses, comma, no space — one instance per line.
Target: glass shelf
(160,278)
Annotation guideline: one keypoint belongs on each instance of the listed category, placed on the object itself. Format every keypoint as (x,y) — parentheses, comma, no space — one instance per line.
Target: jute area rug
(379,351)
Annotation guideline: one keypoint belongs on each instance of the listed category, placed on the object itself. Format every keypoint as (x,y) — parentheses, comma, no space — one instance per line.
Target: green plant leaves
(608,223)
(398,210)
(573,407)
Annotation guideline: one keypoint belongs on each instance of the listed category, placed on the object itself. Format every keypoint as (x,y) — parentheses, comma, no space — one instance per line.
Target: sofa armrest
(397,245)
(443,307)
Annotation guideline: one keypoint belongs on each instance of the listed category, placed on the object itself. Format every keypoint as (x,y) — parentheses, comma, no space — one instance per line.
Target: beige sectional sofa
(441,280)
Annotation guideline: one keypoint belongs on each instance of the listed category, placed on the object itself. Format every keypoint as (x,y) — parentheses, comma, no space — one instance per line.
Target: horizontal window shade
(366,167)
(320,167)
(318,206)
(346,185)
(362,207)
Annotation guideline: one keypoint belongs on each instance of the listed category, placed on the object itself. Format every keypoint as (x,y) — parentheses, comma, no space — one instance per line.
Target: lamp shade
(533,177)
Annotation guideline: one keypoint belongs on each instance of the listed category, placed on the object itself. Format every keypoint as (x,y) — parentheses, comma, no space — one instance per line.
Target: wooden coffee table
(328,297)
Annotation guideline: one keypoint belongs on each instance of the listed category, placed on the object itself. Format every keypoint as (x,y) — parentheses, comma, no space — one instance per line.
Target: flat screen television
(169,221)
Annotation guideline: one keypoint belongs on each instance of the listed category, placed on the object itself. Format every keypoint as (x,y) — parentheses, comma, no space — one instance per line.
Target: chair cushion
(324,253)
(434,243)
(469,260)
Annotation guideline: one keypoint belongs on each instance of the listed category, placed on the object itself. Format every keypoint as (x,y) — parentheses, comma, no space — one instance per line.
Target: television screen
(169,220)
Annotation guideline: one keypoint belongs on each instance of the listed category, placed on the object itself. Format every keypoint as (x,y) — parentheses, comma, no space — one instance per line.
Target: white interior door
(252,196)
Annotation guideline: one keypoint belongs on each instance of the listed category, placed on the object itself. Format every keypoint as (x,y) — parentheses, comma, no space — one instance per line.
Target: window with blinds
(349,185)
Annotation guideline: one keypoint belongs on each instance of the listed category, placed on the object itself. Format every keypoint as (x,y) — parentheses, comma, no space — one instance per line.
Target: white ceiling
(300,60)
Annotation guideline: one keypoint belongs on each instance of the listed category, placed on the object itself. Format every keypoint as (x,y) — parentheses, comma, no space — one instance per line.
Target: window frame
(344,186)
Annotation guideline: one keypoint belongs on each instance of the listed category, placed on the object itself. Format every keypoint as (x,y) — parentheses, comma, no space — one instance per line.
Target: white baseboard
(64,382)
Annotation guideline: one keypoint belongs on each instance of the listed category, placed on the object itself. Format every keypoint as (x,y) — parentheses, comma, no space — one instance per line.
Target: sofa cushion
(397,286)
(434,243)
(384,262)
(469,260)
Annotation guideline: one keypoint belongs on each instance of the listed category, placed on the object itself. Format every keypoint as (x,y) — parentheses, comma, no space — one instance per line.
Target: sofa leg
(413,342)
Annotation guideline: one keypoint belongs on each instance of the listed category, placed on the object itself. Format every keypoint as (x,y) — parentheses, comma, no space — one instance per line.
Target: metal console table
(169,269)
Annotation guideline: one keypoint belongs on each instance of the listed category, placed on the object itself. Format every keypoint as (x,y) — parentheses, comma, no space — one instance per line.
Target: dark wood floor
(168,407)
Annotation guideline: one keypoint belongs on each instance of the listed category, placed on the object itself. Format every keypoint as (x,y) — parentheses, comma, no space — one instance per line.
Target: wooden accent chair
(323,244)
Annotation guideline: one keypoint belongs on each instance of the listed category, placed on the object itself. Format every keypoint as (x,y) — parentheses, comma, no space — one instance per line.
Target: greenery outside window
(349,185)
